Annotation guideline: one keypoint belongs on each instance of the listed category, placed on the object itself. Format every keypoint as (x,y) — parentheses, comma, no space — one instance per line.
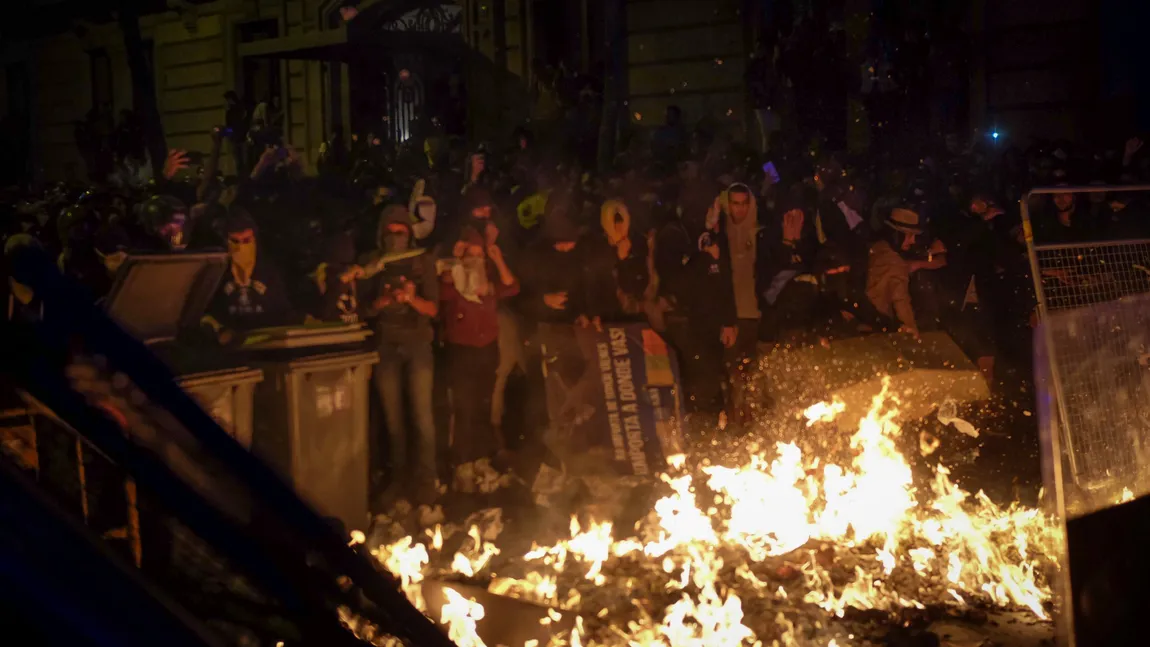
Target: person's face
(396,237)
(740,205)
(241,241)
(909,238)
(482,212)
(1064,201)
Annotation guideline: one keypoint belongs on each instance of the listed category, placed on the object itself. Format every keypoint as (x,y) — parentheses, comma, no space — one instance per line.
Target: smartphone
(771,172)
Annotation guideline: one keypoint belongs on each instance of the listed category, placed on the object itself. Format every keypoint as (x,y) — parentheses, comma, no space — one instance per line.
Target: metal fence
(1095,330)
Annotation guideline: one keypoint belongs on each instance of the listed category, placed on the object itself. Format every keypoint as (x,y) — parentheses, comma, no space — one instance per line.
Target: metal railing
(1079,275)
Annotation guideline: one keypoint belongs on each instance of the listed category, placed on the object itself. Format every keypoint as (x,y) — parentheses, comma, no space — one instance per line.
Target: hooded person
(470,292)
(402,301)
(630,257)
(741,243)
(478,210)
(695,281)
(252,294)
(561,281)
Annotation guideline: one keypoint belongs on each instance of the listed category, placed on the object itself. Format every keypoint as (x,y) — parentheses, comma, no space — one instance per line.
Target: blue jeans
(410,365)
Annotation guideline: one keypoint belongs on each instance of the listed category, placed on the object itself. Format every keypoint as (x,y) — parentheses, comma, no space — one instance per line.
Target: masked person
(695,282)
(404,293)
(473,283)
(165,219)
(628,260)
(252,294)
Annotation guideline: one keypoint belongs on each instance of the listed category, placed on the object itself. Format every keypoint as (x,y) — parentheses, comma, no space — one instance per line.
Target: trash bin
(313,425)
(227,396)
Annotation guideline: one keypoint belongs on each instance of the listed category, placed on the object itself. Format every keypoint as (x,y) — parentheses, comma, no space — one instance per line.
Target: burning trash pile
(783,550)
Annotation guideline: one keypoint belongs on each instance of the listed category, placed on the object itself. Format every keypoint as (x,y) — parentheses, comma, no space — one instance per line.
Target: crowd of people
(455,257)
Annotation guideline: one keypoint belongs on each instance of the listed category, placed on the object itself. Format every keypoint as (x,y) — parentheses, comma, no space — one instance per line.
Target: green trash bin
(313,427)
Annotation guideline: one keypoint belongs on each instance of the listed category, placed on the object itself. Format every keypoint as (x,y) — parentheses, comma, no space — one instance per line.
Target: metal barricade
(1079,277)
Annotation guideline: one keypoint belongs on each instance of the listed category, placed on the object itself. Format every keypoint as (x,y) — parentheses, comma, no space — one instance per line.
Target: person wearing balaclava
(252,294)
(735,215)
(471,287)
(402,300)
(695,282)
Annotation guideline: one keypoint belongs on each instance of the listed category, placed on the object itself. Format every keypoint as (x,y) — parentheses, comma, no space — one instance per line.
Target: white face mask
(470,278)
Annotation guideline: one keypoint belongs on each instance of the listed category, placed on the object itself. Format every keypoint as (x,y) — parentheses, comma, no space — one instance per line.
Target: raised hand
(176,161)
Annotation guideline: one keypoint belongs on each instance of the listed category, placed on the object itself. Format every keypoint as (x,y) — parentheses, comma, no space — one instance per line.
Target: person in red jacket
(472,283)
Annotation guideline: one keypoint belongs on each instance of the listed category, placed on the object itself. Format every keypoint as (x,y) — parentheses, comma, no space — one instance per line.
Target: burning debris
(786,550)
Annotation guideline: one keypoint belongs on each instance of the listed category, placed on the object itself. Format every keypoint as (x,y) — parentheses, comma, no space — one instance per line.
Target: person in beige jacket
(888,273)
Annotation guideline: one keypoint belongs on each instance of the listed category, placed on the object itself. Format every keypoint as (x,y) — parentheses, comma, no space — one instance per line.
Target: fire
(461,615)
(788,533)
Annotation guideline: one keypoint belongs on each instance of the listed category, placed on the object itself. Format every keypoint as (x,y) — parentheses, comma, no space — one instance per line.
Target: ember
(778,551)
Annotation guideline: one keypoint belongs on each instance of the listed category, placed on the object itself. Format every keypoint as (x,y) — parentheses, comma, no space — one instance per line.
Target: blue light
(994,134)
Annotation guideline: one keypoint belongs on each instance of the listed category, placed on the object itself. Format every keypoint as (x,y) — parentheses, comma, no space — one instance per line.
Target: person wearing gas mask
(404,299)
(473,282)
(252,294)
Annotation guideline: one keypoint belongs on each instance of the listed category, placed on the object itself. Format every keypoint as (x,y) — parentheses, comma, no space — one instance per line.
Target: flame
(476,559)
(461,615)
(889,546)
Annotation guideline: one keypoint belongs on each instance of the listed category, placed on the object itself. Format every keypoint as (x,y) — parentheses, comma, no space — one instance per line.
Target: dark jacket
(581,273)
(261,303)
(399,323)
(697,285)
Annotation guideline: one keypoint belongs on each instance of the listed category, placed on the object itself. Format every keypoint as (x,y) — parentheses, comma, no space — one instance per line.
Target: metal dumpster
(313,420)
